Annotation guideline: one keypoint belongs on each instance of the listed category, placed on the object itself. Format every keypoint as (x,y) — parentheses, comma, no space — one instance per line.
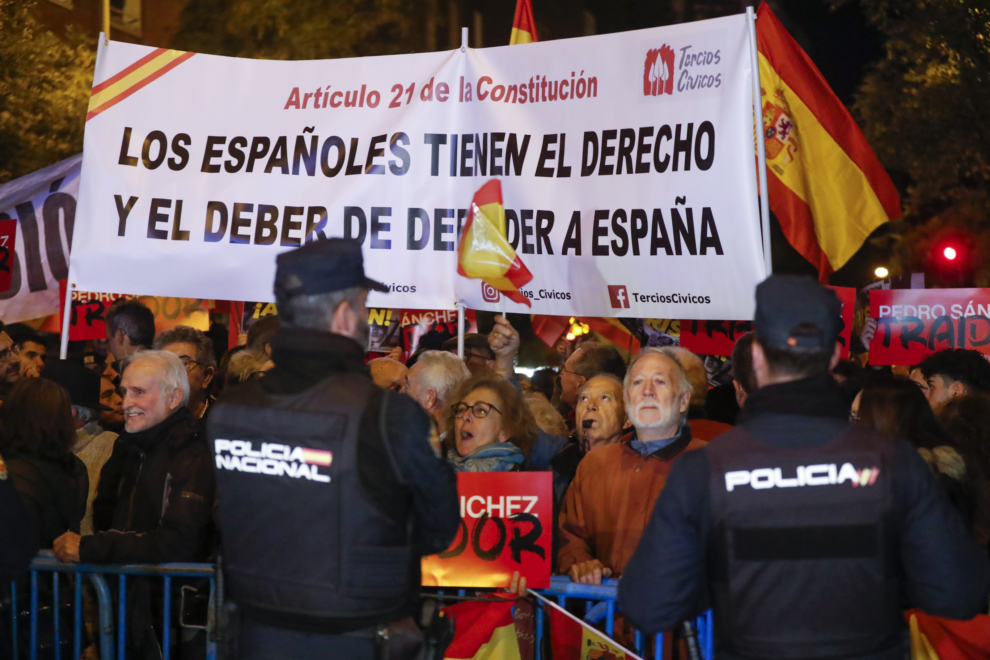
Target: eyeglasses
(479,410)
(189,363)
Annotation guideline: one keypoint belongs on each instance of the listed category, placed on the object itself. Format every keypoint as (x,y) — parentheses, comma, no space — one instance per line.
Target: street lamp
(881,272)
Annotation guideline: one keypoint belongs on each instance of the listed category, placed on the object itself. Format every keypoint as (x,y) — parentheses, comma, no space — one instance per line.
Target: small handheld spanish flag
(484,253)
(523,25)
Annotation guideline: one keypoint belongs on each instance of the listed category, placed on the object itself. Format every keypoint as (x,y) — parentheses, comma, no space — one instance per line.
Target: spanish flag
(483,630)
(523,25)
(484,253)
(826,186)
(133,78)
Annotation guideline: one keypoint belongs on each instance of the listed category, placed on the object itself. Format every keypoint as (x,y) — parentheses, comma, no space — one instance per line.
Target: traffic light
(949,253)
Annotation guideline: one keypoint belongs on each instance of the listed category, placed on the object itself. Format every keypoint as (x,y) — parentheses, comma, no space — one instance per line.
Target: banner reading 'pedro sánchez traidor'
(626,164)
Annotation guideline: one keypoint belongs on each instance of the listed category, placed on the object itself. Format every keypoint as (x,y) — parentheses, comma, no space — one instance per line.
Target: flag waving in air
(825,184)
(523,25)
(484,253)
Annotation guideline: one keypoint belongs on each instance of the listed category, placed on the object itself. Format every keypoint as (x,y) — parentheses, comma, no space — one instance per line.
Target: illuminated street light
(949,253)
(881,272)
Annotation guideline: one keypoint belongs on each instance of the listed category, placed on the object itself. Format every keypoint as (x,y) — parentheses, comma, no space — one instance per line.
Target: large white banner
(626,164)
(44,205)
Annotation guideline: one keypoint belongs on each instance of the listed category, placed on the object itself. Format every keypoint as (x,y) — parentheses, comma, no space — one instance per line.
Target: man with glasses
(195,349)
(478,354)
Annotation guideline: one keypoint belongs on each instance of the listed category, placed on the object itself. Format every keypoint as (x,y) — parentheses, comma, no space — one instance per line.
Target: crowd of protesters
(110,461)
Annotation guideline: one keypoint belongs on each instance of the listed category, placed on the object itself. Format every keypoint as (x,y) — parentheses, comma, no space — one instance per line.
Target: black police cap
(784,302)
(322,266)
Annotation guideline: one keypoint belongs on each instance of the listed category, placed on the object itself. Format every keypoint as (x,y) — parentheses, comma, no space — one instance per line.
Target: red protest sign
(712,337)
(506,526)
(86,320)
(8,234)
(914,323)
(718,337)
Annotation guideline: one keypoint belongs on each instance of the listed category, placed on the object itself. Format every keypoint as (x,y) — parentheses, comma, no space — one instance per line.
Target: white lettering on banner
(805,475)
(272,459)
(501,507)
(647,177)
(44,205)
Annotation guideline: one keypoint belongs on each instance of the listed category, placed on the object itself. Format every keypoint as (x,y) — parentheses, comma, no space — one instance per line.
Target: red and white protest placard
(718,337)
(89,309)
(914,323)
(8,236)
(506,526)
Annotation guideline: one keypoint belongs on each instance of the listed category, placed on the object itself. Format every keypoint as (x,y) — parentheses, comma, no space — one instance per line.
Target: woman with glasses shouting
(493,429)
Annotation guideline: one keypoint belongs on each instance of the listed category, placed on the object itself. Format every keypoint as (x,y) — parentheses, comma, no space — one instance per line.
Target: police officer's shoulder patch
(3,469)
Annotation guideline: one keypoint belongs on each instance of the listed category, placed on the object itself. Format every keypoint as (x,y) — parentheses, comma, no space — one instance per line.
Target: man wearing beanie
(806,535)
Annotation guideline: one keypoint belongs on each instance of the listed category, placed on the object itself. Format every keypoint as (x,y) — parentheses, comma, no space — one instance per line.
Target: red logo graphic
(489,293)
(618,296)
(658,74)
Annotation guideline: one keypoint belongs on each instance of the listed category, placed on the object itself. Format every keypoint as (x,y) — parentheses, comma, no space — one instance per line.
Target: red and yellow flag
(826,186)
(482,631)
(523,25)
(142,73)
(484,253)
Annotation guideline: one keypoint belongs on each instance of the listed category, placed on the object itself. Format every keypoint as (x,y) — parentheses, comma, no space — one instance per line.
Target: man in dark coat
(806,534)
(162,505)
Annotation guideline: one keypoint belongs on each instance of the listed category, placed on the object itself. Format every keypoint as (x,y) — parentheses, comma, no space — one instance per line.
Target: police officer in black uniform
(329,493)
(808,536)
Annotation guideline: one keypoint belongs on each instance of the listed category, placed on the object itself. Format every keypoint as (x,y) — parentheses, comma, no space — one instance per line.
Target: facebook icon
(618,296)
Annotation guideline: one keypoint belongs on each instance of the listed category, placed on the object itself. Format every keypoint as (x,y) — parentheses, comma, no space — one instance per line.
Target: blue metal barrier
(600,603)
(96,574)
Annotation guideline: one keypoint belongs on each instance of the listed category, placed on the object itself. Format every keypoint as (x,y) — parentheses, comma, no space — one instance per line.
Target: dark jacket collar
(304,357)
(147,439)
(818,396)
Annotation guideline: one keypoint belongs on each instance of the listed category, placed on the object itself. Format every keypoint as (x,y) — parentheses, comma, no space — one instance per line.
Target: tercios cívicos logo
(273,459)
(658,73)
(489,293)
(694,68)
(618,296)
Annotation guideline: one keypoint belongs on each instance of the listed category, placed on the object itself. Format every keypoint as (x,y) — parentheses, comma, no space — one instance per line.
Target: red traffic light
(949,253)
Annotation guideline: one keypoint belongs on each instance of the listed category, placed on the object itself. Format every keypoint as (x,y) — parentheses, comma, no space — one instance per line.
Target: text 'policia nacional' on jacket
(329,492)
(154,503)
(813,536)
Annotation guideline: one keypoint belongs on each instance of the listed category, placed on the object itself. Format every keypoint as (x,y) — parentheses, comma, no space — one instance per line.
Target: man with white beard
(611,498)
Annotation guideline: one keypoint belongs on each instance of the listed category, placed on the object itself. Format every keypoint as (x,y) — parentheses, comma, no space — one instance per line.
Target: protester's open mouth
(587,423)
(466,435)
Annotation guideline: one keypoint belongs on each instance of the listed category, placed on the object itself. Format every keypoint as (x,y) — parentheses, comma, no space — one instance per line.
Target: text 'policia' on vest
(328,490)
(808,536)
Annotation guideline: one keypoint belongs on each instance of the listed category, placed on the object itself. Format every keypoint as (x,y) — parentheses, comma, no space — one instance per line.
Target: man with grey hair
(431,379)
(610,500)
(155,498)
(130,328)
(195,349)
(318,467)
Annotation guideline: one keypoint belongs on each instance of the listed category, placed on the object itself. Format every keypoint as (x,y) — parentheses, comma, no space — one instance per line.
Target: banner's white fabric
(629,183)
(44,205)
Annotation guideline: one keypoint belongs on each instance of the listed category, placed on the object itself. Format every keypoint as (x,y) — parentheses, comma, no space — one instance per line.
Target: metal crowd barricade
(97,575)
(600,603)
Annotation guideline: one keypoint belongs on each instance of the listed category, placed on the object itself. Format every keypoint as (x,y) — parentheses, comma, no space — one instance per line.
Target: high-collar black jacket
(305,357)
(941,568)
(154,503)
